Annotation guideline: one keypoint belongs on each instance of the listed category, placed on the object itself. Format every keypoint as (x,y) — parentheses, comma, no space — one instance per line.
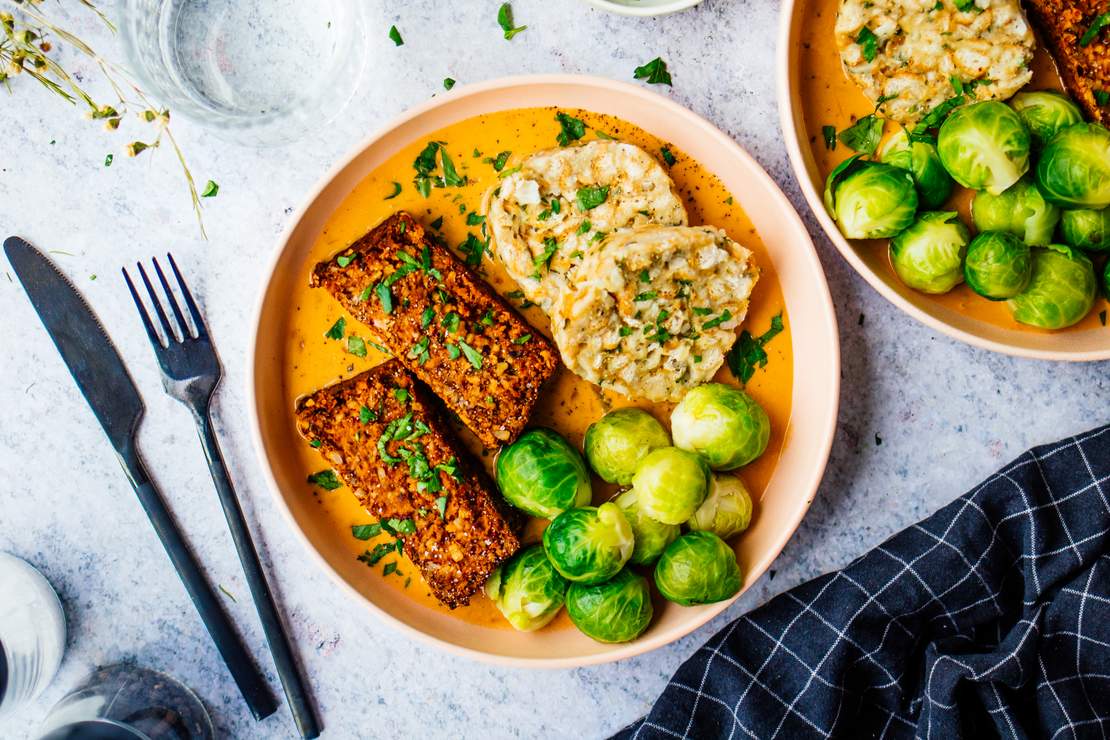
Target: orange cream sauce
(569,404)
(829,98)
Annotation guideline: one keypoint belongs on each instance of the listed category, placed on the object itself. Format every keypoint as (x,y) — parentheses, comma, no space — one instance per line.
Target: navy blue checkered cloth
(991,618)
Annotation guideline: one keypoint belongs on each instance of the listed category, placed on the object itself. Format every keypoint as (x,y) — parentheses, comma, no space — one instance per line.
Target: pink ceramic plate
(808,435)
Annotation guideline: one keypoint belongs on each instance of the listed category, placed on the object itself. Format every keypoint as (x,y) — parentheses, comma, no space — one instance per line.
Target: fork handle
(235,655)
(304,715)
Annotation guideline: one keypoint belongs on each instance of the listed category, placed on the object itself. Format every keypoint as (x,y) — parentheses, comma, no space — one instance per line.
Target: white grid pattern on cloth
(1023,558)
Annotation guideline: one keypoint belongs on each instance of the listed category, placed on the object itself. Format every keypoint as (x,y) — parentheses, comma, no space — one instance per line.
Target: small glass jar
(262,73)
(32,633)
(126,702)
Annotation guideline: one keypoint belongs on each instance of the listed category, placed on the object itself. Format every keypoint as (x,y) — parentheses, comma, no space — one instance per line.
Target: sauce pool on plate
(568,404)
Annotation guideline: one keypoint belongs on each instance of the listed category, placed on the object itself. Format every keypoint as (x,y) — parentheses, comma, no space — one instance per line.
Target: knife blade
(103,379)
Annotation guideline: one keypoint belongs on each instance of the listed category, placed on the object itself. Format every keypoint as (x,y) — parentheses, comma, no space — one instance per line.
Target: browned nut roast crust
(445,324)
(1084,69)
(382,433)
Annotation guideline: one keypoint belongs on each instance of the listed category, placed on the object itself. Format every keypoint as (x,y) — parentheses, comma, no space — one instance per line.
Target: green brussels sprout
(650,536)
(1020,209)
(998,265)
(1061,289)
(670,484)
(933,182)
(1045,113)
(1087,229)
(721,423)
(984,146)
(870,200)
(698,568)
(617,610)
(1074,168)
(588,544)
(726,511)
(527,589)
(542,474)
(929,255)
(617,442)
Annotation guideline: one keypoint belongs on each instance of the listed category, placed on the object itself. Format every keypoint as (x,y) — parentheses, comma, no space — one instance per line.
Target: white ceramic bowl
(643,7)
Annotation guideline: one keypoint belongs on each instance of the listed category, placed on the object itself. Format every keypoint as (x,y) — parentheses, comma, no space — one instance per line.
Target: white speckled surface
(946,414)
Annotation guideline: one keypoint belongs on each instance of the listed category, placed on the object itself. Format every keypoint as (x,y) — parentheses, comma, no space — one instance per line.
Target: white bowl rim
(816,474)
(816,205)
(644,11)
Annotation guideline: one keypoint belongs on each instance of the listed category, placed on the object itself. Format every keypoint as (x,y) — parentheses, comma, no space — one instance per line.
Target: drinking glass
(32,633)
(127,702)
(262,72)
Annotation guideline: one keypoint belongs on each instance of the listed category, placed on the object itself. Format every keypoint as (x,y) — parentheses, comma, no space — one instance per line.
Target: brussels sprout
(670,484)
(589,544)
(870,200)
(984,146)
(698,568)
(1087,229)
(928,256)
(527,589)
(722,424)
(998,265)
(1045,113)
(651,536)
(933,182)
(542,474)
(1020,209)
(727,510)
(617,442)
(1074,168)
(618,610)
(1061,289)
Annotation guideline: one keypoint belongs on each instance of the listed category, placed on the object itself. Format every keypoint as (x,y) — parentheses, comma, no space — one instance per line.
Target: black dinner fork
(190,373)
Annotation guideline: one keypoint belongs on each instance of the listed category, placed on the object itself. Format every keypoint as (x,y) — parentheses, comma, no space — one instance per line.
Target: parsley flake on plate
(395,36)
(505,20)
(655,72)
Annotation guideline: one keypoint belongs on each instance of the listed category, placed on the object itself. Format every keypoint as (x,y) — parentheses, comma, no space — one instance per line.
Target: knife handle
(234,653)
(296,693)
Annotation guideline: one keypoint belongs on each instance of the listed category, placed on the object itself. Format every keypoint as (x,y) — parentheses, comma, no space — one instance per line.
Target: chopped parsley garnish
(934,118)
(964,5)
(395,36)
(441,507)
(624,331)
(868,43)
(343,260)
(448,83)
(864,135)
(419,351)
(450,321)
(702,310)
(505,20)
(602,135)
(108,160)
(390,568)
(473,356)
(315,443)
(474,219)
(748,351)
(425,165)
(668,156)
(396,191)
(372,557)
(366,531)
(718,320)
(397,526)
(829,134)
(450,175)
(591,197)
(453,351)
(523,339)
(211,188)
(550,246)
(401,394)
(364,294)
(336,330)
(646,296)
(366,415)
(518,295)
(583,227)
(655,72)
(473,249)
(1102,97)
(499,161)
(326,479)
(385,297)
(1100,22)
(426,317)
(570,129)
(356,346)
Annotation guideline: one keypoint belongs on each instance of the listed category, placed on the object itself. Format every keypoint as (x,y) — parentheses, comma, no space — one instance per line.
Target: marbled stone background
(946,414)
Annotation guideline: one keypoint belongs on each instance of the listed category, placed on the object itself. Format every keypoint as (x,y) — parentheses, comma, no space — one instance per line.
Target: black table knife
(107,386)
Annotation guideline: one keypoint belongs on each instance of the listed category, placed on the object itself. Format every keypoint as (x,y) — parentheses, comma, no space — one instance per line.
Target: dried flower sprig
(25,48)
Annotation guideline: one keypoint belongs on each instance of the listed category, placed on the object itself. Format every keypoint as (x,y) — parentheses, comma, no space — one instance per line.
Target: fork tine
(171,336)
(150,332)
(181,322)
(198,318)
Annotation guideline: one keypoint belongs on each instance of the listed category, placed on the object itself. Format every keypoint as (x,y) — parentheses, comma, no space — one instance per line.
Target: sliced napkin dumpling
(546,217)
(655,310)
